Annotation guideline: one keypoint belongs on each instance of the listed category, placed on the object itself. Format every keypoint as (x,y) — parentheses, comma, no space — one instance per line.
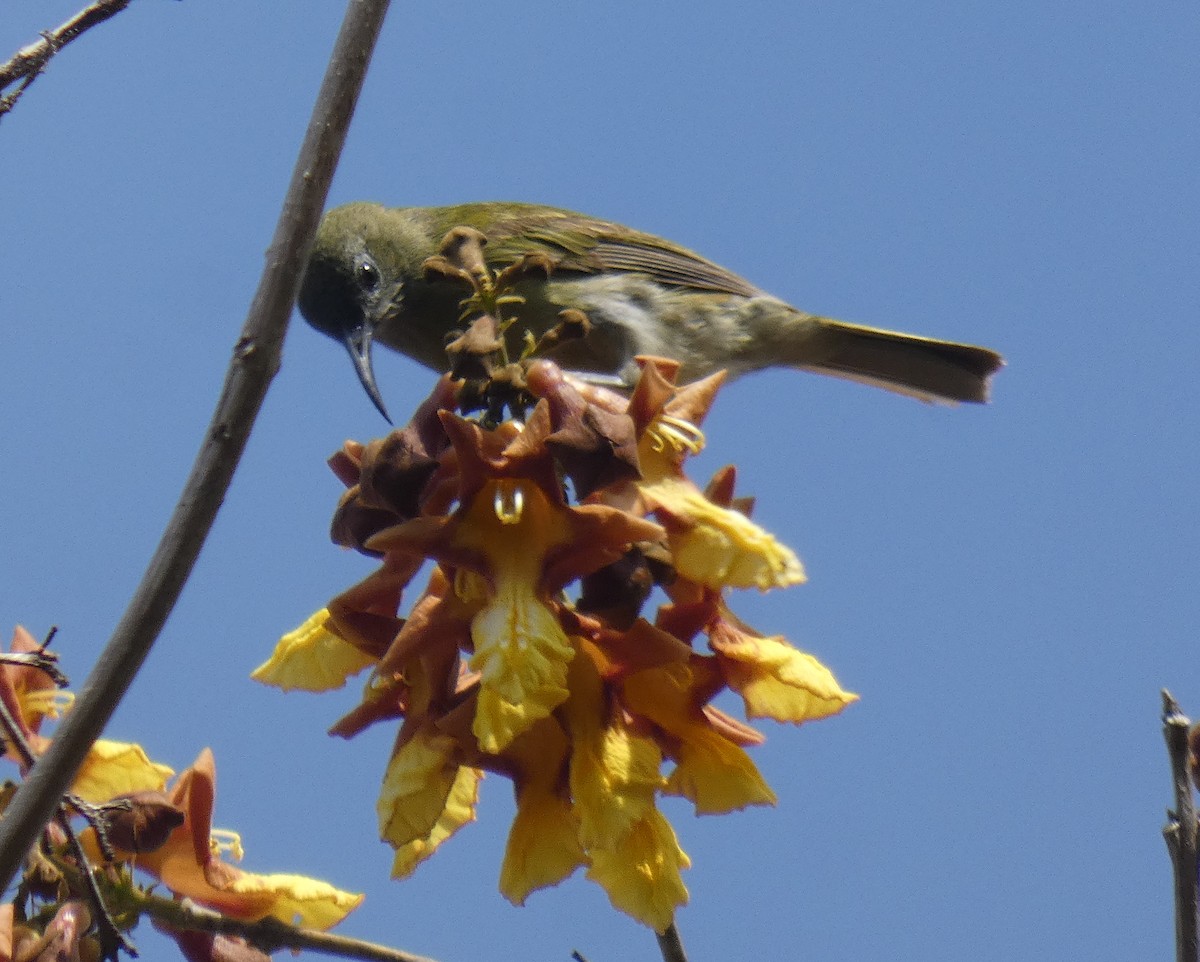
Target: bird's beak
(358,343)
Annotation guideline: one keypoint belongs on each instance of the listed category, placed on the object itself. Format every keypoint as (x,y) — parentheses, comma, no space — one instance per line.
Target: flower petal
(459,810)
(299,900)
(311,658)
(719,547)
(614,774)
(777,680)
(118,768)
(642,874)
(417,783)
(521,653)
(711,771)
(543,845)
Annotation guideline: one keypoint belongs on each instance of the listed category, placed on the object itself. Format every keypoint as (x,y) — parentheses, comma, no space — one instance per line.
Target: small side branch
(27,64)
(268,934)
(1180,832)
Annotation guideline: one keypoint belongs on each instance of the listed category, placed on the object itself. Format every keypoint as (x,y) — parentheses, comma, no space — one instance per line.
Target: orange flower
(189,863)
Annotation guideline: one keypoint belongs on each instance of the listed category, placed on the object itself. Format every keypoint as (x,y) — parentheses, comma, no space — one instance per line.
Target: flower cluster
(528,654)
(136,822)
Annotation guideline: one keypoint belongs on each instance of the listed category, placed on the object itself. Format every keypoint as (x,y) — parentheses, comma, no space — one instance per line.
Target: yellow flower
(521,651)
(496,669)
(717,546)
(418,781)
(614,779)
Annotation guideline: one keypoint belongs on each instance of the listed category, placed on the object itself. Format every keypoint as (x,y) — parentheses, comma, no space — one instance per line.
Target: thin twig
(1180,833)
(27,63)
(255,361)
(268,934)
(44,661)
(671,946)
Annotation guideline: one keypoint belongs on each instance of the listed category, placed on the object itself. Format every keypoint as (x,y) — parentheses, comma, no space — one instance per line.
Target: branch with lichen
(27,64)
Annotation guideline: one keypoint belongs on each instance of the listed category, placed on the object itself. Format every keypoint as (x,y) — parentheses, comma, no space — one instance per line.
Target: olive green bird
(643,295)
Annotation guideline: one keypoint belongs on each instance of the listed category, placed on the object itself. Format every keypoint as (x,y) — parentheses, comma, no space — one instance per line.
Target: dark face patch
(329,296)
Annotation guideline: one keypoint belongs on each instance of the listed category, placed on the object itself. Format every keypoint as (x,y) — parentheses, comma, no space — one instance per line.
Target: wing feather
(586,245)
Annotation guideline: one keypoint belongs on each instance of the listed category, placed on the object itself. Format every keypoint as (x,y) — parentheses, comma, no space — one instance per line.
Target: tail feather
(920,367)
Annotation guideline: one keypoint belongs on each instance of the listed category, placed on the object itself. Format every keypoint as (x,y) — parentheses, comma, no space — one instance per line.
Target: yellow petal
(543,845)
(311,658)
(642,874)
(719,547)
(614,774)
(711,771)
(459,810)
(300,900)
(779,681)
(717,776)
(522,655)
(416,785)
(118,768)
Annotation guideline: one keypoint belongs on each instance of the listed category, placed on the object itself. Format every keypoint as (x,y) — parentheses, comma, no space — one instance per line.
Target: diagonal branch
(27,63)
(256,358)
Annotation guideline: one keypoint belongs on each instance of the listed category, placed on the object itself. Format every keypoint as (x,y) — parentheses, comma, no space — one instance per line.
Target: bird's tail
(920,367)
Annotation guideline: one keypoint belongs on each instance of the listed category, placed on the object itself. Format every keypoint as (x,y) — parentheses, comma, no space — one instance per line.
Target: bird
(364,283)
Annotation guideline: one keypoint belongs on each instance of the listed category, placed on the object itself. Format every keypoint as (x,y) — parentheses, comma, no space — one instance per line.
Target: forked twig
(27,64)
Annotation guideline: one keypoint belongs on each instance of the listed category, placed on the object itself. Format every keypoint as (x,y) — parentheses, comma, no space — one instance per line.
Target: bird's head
(355,276)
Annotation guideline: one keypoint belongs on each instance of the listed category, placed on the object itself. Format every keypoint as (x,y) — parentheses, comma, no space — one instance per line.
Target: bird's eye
(367,275)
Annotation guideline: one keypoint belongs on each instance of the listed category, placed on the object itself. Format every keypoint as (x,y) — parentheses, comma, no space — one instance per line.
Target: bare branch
(256,358)
(27,63)
(1180,833)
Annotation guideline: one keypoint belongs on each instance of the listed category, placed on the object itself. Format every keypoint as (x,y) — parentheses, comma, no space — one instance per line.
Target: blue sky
(1007,587)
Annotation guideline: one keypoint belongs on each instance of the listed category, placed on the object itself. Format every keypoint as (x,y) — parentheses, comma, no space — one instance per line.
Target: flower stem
(671,946)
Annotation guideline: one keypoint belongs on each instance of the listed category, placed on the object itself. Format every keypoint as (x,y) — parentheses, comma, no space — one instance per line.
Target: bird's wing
(583,244)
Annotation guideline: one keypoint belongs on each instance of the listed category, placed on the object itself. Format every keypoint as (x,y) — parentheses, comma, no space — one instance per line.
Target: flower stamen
(678,434)
(222,840)
(47,703)
(508,503)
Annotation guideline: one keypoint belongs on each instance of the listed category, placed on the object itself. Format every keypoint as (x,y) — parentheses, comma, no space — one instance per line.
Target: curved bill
(358,344)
